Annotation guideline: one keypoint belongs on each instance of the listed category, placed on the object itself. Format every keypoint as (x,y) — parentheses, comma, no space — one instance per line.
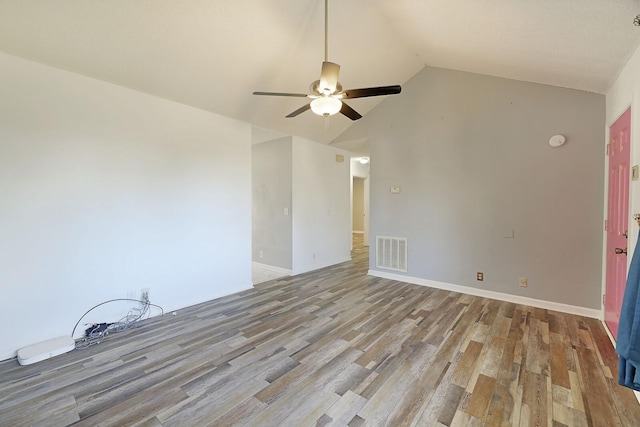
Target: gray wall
(471,155)
(272,186)
(321,206)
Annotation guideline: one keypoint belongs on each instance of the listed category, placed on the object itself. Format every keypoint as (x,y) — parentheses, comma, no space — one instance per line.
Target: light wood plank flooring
(333,347)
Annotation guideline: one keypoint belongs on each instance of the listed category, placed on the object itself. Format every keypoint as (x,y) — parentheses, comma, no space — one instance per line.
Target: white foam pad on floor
(44,350)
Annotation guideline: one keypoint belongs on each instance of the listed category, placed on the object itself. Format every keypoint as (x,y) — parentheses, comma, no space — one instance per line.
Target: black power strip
(97,329)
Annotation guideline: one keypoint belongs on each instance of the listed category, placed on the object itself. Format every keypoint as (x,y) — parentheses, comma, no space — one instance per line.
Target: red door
(617,219)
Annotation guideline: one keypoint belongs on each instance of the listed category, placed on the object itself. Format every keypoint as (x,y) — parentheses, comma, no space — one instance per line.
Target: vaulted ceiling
(212,54)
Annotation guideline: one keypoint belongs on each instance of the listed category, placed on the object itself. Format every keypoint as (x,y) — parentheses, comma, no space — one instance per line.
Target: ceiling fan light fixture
(326,106)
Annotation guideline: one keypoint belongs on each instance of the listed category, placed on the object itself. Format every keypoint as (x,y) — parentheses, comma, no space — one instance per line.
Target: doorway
(360,190)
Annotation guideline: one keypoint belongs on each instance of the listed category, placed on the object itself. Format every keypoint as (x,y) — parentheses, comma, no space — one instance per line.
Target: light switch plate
(395,190)
(635,173)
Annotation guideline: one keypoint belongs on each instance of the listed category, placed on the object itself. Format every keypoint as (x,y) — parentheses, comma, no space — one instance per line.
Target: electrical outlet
(523,282)
(479,276)
(261,254)
(144,294)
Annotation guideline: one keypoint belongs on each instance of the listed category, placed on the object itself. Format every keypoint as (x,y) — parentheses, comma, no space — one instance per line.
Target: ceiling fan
(327,94)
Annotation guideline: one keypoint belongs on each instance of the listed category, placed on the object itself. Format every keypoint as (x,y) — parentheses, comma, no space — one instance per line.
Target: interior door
(617,219)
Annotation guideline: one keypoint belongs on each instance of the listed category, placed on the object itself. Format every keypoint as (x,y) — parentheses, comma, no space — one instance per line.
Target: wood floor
(333,347)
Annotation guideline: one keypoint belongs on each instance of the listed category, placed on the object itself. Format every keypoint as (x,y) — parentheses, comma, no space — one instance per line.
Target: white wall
(471,156)
(321,206)
(271,182)
(106,190)
(625,93)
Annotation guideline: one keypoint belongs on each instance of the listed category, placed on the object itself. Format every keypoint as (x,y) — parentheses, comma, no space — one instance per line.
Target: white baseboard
(606,328)
(273,268)
(549,305)
(357,232)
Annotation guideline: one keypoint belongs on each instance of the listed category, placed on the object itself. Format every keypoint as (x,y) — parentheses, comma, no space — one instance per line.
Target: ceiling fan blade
(329,77)
(371,91)
(297,95)
(350,112)
(300,110)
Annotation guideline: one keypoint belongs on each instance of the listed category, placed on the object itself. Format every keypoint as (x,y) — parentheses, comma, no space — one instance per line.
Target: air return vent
(391,253)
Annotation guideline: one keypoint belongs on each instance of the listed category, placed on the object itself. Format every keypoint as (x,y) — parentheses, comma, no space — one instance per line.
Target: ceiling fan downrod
(326,30)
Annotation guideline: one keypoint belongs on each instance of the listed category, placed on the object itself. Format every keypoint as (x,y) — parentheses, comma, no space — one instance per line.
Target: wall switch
(508,233)
(523,282)
(144,294)
(261,254)
(479,276)
(395,190)
(286,211)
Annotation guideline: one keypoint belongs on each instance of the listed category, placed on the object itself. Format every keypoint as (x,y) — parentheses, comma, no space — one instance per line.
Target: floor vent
(391,253)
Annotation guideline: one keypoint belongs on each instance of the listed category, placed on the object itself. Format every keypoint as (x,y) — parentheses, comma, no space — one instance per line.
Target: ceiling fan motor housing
(315,90)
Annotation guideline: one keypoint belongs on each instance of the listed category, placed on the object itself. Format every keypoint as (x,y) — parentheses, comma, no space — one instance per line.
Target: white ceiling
(212,54)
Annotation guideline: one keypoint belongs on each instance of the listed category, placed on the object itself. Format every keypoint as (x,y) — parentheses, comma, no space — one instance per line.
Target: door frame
(632,236)
(363,172)
(367,207)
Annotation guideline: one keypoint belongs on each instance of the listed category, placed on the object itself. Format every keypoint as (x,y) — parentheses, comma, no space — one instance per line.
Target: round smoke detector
(557,140)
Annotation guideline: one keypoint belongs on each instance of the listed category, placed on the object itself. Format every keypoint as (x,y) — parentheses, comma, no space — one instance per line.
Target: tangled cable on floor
(97,332)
